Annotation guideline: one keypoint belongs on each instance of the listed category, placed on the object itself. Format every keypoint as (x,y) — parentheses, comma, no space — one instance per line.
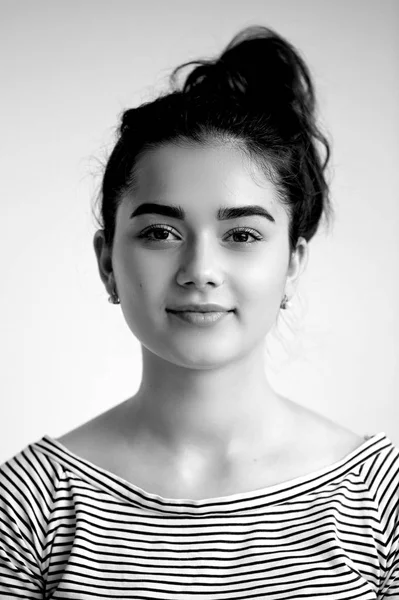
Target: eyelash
(145,234)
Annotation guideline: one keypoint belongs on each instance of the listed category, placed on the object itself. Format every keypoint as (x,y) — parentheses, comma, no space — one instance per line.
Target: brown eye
(155,229)
(246,231)
(239,231)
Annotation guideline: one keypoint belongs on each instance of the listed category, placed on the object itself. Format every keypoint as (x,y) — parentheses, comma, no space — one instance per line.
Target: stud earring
(285,302)
(113,298)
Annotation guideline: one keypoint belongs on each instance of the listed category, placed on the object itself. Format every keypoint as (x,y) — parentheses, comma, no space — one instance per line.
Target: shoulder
(33,499)
(94,438)
(28,485)
(329,442)
(318,439)
(30,468)
(28,481)
(381,476)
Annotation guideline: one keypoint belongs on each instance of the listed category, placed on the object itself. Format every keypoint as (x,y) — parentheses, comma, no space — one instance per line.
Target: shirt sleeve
(389,510)
(390,587)
(25,503)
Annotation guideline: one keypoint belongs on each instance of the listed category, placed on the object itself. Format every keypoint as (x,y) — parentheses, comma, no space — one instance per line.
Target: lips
(200,311)
(200,319)
(199,308)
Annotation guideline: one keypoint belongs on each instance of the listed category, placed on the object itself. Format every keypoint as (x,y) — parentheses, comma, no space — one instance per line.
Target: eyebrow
(224,213)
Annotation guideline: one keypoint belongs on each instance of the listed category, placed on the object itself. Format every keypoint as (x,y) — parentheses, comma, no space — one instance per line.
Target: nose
(200,264)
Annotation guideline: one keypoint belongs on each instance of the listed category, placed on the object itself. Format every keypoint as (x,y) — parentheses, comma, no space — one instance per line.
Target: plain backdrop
(68,70)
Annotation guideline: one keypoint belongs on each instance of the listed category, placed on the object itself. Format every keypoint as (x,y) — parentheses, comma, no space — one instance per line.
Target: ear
(104,260)
(298,262)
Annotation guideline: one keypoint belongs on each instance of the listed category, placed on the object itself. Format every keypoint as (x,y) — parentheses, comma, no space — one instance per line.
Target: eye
(247,231)
(243,231)
(154,228)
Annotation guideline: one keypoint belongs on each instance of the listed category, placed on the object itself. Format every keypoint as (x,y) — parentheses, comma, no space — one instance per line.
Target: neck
(216,413)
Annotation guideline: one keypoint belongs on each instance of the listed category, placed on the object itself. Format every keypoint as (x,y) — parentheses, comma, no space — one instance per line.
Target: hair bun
(216,77)
(260,68)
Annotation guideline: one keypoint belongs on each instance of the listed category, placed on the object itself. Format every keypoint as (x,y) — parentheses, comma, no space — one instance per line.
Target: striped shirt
(70,529)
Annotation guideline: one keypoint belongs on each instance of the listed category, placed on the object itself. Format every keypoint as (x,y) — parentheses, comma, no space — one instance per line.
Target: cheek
(140,277)
(260,300)
(262,283)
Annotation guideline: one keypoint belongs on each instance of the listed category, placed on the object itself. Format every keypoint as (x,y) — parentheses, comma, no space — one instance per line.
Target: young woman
(207,484)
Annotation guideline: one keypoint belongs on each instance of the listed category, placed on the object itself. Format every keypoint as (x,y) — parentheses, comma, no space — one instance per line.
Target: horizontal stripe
(70,529)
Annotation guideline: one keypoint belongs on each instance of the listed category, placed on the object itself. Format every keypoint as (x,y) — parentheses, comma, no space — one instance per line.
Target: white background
(68,69)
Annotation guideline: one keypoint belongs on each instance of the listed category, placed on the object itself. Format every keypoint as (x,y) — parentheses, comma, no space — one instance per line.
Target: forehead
(197,175)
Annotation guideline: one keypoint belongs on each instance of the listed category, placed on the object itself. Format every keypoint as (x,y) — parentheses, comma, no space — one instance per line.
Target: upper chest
(157,472)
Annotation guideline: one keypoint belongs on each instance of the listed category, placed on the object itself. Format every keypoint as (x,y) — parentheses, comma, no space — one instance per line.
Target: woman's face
(200,259)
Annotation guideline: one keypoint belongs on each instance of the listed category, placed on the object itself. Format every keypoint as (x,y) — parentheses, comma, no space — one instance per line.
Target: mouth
(199,307)
(200,319)
(199,312)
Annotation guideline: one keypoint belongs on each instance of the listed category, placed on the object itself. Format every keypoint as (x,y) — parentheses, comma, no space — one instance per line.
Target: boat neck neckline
(102,477)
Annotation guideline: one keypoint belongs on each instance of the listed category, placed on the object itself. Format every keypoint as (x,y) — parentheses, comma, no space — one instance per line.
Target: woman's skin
(205,411)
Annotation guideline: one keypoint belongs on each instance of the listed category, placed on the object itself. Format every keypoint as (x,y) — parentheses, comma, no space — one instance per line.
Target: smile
(201,319)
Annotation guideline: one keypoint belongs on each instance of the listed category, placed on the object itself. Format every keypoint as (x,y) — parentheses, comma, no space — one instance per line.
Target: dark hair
(259,96)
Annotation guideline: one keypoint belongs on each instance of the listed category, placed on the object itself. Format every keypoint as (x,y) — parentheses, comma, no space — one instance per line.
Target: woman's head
(258,95)
(241,131)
